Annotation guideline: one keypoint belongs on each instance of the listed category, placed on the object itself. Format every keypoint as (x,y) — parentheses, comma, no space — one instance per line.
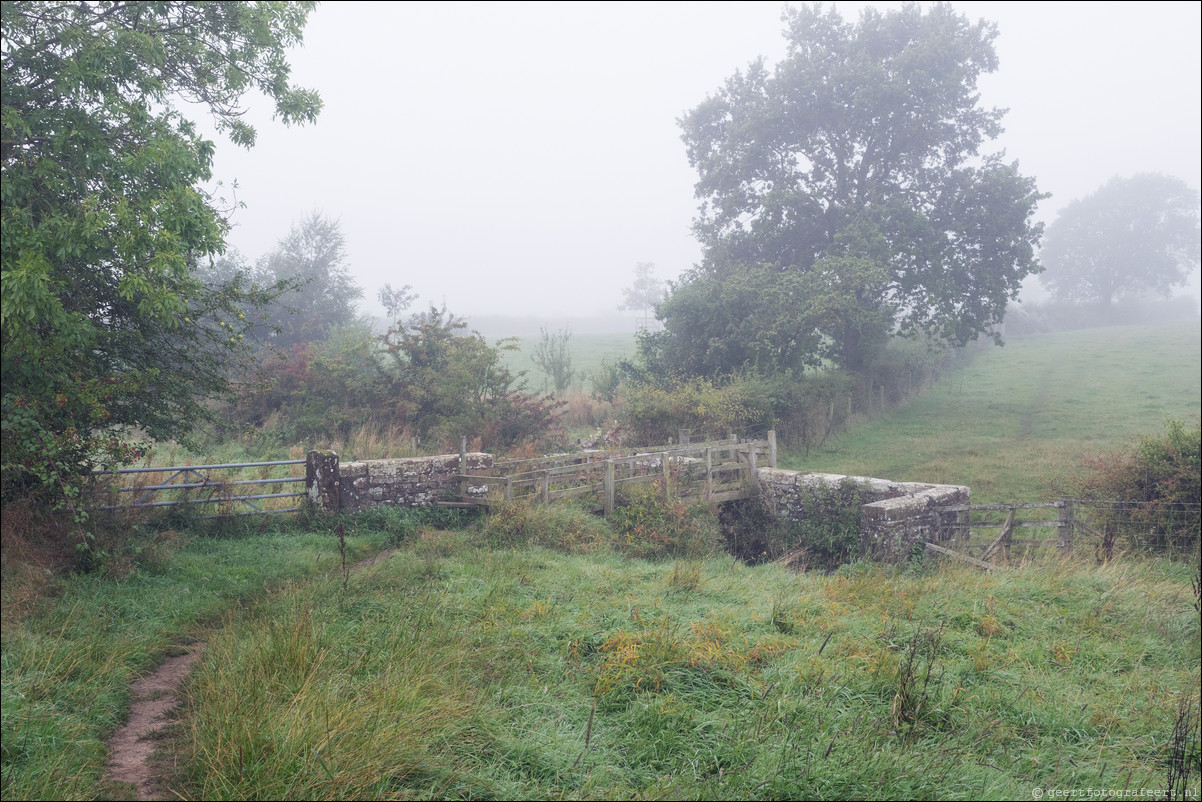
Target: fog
(519,159)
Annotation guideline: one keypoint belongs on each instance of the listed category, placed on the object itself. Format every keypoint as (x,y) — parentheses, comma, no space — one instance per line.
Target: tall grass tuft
(650,526)
(301,700)
(558,526)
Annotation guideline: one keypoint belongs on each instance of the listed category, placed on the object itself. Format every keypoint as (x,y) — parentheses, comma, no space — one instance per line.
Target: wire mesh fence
(1149,527)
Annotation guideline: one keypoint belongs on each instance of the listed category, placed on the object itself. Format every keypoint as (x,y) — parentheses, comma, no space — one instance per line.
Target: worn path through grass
(1017,419)
(153,702)
(70,657)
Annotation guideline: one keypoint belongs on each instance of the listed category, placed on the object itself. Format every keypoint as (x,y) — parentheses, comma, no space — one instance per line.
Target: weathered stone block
(898,515)
(409,482)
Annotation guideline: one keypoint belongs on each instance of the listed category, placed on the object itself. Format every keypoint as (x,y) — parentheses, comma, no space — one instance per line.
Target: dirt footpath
(153,698)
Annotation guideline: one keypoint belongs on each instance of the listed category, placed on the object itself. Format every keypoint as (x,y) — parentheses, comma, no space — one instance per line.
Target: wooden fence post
(753,474)
(666,472)
(462,465)
(709,473)
(609,486)
(1065,532)
(772,448)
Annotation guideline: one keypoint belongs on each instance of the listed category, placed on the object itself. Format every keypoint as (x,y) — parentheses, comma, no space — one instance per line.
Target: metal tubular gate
(194,478)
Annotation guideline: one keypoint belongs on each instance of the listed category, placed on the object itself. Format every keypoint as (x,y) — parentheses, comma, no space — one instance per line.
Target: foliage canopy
(108,330)
(1132,235)
(312,257)
(844,195)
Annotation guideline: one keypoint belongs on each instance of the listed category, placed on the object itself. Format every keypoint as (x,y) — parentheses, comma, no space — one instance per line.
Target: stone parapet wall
(412,482)
(897,515)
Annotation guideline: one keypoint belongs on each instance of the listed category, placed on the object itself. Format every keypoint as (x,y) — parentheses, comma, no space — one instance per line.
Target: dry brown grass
(35,547)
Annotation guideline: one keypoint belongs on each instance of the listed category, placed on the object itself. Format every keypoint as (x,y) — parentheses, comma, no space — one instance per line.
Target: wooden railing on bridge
(715,471)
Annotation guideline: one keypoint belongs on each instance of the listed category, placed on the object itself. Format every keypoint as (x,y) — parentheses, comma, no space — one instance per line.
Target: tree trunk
(853,352)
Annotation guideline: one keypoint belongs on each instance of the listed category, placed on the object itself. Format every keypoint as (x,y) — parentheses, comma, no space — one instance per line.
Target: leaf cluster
(108,331)
(845,197)
(1151,493)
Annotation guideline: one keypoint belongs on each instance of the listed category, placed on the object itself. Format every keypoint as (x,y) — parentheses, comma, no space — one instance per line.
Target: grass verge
(453,670)
(1016,419)
(69,655)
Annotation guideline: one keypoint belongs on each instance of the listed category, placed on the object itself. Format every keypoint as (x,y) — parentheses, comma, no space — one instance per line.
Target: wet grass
(1017,419)
(453,670)
(69,655)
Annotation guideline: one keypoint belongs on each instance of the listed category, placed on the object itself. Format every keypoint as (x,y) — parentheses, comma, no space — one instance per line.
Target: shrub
(828,536)
(554,526)
(427,381)
(606,379)
(651,528)
(654,412)
(1152,492)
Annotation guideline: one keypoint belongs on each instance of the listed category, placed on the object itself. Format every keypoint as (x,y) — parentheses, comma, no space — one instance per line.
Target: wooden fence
(716,471)
(987,541)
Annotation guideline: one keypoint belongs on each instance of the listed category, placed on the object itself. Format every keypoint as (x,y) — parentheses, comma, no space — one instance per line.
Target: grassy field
(588,350)
(453,671)
(466,666)
(1017,418)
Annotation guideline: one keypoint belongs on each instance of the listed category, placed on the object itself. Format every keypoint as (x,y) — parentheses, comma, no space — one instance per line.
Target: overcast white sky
(520,158)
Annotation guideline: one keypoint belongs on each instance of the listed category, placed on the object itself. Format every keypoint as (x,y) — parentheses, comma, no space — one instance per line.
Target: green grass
(588,350)
(474,664)
(1016,419)
(68,657)
(456,671)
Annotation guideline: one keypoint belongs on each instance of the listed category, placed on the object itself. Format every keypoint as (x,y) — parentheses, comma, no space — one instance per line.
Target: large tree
(108,329)
(1132,236)
(644,293)
(312,257)
(856,167)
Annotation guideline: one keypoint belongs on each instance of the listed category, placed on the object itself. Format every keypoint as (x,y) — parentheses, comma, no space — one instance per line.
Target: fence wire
(1152,526)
